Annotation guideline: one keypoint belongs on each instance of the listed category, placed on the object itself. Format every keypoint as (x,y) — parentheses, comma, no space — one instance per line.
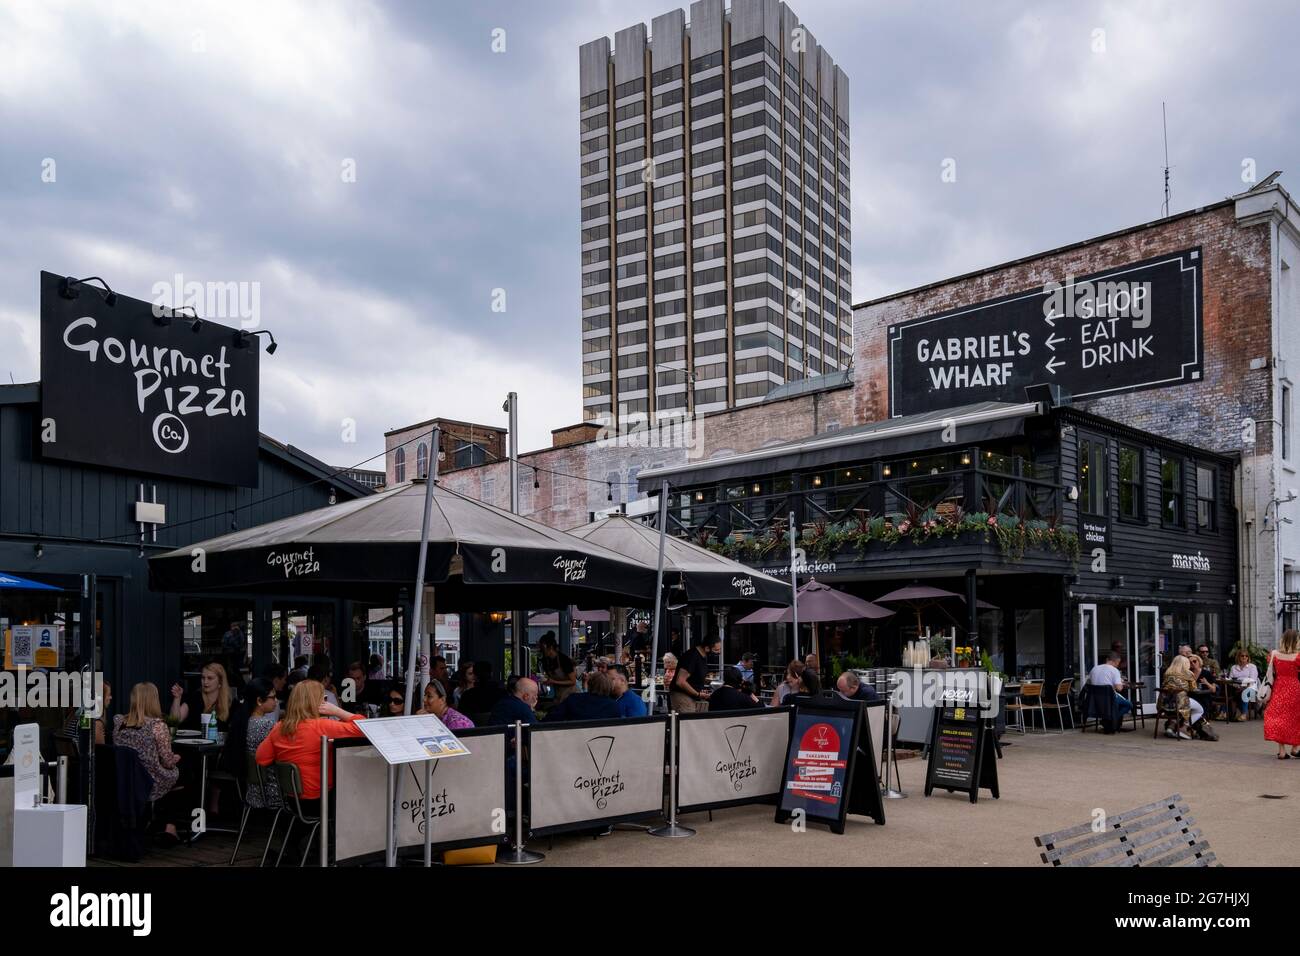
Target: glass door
(1087,641)
(1145,654)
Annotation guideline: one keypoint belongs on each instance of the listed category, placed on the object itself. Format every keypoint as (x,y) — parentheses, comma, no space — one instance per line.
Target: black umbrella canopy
(707,577)
(480,557)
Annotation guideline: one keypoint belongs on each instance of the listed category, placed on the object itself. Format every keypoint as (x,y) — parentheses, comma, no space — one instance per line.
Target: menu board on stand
(960,757)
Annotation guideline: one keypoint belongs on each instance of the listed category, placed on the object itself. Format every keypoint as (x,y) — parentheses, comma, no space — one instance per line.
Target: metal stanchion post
(891,765)
(518,854)
(324,802)
(671,829)
(61,781)
(390,842)
(428,805)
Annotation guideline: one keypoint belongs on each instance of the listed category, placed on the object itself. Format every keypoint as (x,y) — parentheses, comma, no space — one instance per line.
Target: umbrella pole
(794,589)
(429,482)
(659,590)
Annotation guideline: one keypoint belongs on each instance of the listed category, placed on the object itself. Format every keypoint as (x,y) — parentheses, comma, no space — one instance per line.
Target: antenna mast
(1164,121)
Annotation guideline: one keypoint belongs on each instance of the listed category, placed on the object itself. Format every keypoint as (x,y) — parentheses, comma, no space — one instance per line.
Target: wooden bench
(1158,834)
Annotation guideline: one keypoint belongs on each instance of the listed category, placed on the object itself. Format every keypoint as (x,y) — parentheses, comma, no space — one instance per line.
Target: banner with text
(588,772)
(730,757)
(468,806)
(1134,327)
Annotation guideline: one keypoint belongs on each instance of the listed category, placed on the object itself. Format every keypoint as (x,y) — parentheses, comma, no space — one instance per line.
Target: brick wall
(1236,322)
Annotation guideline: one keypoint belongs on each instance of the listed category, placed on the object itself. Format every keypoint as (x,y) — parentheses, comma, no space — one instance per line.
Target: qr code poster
(36,645)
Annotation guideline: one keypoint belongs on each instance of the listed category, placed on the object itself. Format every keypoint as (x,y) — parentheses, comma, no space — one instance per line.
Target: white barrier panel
(469,796)
(730,757)
(875,728)
(593,773)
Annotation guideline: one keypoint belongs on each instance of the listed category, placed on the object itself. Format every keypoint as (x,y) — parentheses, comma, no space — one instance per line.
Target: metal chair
(290,781)
(1063,705)
(255,776)
(1016,708)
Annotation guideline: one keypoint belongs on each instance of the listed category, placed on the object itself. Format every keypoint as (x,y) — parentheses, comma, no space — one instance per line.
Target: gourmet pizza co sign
(1130,328)
(121,389)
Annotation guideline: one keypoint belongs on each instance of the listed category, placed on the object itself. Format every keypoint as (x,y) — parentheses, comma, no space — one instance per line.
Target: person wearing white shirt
(1246,674)
(1107,675)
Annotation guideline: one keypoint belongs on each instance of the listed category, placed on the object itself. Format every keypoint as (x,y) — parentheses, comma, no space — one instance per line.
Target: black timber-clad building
(1065,533)
(60,521)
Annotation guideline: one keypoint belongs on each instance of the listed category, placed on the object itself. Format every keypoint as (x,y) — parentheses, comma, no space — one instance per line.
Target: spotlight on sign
(243,339)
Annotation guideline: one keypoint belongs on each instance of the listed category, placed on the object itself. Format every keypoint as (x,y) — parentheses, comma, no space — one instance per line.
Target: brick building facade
(1248,247)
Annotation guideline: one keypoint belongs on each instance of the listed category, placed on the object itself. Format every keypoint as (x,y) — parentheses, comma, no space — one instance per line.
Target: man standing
(234,646)
(629,703)
(1107,675)
(688,694)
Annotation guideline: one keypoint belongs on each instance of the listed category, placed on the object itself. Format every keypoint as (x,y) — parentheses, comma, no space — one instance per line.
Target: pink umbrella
(552,618)
(818,602)
(920,596)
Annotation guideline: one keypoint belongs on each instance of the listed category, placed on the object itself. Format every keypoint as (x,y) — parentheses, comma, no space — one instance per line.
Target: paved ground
(1047,782)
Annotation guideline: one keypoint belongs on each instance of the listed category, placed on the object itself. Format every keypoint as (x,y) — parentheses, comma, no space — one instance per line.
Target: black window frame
(1136,486)
(1086,505)
(1180,491)
(1212,501)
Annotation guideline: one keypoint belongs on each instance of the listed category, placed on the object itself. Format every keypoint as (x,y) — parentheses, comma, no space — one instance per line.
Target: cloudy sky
(378,170)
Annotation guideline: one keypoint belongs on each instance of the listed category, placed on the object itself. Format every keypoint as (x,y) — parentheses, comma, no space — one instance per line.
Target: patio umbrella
(704,576)
(819,602)
(920,596)
(479,557)
(12,581)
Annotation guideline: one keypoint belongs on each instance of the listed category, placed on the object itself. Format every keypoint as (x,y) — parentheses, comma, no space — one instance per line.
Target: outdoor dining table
(202,750)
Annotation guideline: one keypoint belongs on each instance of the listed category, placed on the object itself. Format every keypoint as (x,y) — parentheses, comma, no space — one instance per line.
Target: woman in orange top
(296,738)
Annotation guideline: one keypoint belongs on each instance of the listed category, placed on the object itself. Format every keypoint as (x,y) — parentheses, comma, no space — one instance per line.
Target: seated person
(211,697)
(1203,687)
(629,702)
(364,690)
(595,703)
(482,697)
(518,704)
(436,703)
(730,696)
(1176,695)
(299,672)
(1207,682)
(1245,673)
(850,687)
(1107,675)
(142,729)
(746,666)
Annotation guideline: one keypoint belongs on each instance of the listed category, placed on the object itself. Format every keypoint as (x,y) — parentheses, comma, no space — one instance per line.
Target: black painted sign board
(829,765)
(121,388)
(961,760)
(1134,327)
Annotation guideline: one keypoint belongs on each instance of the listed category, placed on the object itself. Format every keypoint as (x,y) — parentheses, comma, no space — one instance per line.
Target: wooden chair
(1063,704)
(1159,834)
(1029,701)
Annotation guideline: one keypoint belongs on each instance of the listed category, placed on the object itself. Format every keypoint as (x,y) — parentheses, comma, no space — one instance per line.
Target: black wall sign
(1134,327)
(823,775)
(1094,532)
(121,391)
(959,761)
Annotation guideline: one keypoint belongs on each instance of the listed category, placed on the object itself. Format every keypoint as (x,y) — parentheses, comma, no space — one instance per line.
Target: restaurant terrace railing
(945,493)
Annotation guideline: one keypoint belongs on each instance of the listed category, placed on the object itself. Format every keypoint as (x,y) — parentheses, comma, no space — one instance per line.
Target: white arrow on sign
(1053,365)
(1053,339)
(1051,319)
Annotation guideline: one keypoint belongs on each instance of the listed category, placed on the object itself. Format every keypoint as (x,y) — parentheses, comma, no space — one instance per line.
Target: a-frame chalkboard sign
(961,753)
(829,764)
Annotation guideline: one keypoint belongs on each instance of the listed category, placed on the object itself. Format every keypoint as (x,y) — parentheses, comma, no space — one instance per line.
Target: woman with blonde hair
(1282,713)
(211,697)
(142,729)
(1175,691)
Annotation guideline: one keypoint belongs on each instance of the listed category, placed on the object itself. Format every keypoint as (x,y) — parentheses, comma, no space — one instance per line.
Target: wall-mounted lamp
(1117,581)
(536,484)
(757,487)
(244,338)
(1196,586)
(1074,492)
(1160,584)
(1232,589)
(40,549)
(886,471)
(699,496)
(965,458)
(817,481)
(70,288)
(334,498)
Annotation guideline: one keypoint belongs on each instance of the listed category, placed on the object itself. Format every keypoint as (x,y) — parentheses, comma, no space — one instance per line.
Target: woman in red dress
(1282,715)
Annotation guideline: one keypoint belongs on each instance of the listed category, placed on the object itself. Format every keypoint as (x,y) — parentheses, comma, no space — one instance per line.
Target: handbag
(1266,685)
